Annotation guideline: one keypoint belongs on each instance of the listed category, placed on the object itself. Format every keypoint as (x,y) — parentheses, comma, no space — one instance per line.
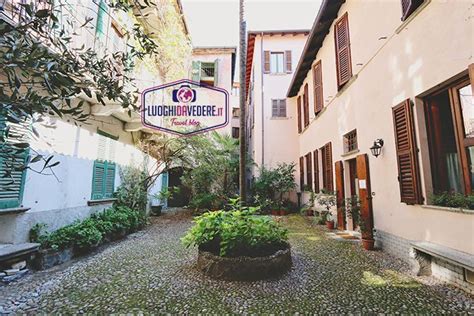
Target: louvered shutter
(216,72)
(343,51)
(266,61)
(102,18)
(288,61)
(318,88)
(274,108)
(196,71)
(327,167)
(301,173)
(316,171)
(283,107)
(306,105)
(298,104)
(407,160)
(12,161)
(109,180)
(98,180)
(408,6)
(309,170)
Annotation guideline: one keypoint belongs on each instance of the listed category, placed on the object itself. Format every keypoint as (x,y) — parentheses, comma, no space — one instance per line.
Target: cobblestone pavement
(151,272)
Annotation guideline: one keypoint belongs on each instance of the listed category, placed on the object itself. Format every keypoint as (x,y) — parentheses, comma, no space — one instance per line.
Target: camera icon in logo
(184,94)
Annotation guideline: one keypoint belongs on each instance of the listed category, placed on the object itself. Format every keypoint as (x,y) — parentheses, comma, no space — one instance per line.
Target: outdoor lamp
(376,149)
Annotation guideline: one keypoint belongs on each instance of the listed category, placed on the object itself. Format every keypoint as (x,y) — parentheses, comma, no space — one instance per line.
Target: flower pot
(275,213)
(282,212)
(368,244)
(156,210)
(330,225)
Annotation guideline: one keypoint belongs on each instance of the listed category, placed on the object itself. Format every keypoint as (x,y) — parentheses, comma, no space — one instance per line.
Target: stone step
(10,251)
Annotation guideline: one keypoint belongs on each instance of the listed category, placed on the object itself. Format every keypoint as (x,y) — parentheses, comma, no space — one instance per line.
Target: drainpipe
(262,65)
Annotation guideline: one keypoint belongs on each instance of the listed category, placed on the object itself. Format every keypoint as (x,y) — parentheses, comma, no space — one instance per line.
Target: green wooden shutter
(12,175)
(216,72)
(102,17)
(98,180)
(164,185)
(196,71)
(109,179)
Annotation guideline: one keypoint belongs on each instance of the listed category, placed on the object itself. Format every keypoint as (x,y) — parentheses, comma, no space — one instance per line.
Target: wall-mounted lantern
(376,149)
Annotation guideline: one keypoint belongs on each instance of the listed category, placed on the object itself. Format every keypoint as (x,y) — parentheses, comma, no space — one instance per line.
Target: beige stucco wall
(280,134)
(434,46)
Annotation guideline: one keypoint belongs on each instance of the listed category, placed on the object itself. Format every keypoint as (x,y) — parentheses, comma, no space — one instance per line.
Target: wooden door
(365,196)
(339,170)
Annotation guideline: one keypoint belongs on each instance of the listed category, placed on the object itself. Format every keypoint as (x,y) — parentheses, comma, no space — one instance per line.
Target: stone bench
(424,251)
(10,253)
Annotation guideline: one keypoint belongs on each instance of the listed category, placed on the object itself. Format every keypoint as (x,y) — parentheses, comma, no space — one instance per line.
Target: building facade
(90,154)
(271,61)
(386,76)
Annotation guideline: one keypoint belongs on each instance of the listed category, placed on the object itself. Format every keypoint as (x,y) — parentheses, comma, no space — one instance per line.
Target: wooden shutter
(301,173)
(102,19)
(266,61)
(318,88)
(283,107)
(305,105)
(274,108)
(216,72)
(408,6)
(316,171)
(196,71)
(12,162)
(109,180)
(288,61)
(298,104)
(340,194)
(365,197)
(327,167)
(98,180)
(309,170)
(407,160)
(343,51)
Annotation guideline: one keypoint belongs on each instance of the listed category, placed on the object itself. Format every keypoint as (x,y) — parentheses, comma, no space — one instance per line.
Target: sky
(216,22)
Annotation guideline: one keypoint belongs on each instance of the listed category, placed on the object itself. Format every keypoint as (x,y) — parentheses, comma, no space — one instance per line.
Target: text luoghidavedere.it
(183,110)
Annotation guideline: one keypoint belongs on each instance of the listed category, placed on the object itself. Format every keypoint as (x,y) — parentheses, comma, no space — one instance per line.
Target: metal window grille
(350,141)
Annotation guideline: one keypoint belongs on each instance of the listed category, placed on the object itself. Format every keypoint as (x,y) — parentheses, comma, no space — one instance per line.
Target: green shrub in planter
(453,199)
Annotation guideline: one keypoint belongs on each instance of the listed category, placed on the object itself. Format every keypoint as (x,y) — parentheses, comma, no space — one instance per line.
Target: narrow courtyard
(151,271)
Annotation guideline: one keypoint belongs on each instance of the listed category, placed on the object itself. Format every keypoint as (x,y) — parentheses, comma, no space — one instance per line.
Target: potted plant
(352,207)
(327,200)
(163,195)
(367,236)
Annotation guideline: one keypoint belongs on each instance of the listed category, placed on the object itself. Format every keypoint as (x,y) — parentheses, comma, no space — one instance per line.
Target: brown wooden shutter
(306,105)
(309,170)
(471,76)
(407,157)
(266,61)
(365,197)
(343,51)
(340,194)
(408,6)
(301,173)
(288,61)
(326,157)
(318,88)
(316,171)
(298,104)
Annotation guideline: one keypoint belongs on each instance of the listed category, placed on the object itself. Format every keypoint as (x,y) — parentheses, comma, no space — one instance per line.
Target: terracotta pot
(368,244)
(276,213)
(282,212)
(330,225)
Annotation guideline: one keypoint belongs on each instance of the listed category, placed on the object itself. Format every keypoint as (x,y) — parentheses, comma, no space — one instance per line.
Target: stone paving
(151,272)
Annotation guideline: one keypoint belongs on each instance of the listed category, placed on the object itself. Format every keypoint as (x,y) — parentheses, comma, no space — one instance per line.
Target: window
(450,129)
(343,51)
(235,132)
(350,141)
(277,62)
(235,112)
(205,72)
(408,6)
(306,105)
(12,160)
(316,171)
(326,158)
(318,88)
(406,149)
(301,173)
(279,108)
(298,104)
(309,171)
(103,175)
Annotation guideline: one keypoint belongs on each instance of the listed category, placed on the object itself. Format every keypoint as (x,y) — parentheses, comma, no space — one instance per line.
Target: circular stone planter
(245,268)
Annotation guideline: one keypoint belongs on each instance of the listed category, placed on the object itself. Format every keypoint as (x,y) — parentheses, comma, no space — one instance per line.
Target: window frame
(283,62)
(346,140)
(280,107)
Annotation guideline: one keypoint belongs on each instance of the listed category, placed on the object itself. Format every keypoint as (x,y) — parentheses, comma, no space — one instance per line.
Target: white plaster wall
(422,55)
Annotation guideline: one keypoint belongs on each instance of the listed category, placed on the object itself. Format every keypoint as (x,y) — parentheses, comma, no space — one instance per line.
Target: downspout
(262,65)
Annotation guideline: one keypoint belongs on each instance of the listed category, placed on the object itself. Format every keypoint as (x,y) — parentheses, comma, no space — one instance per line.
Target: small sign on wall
(362,184)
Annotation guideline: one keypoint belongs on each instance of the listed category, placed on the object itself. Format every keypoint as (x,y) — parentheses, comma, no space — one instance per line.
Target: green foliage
(91,231)
(133,189)
(231,231)
(273,184)
(453,199)
(352,208)
(326,199)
